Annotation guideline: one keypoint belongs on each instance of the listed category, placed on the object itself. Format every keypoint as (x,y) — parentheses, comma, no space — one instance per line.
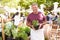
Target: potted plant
(14,33)
(8,30)
(35,23)
(22,36)
(19,34)
(27,31)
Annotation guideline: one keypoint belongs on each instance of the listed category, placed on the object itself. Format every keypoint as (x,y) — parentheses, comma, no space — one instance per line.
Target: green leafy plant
(15,33)
(22,36)
(8,27)
(27,31)
(20,33)
(35,24)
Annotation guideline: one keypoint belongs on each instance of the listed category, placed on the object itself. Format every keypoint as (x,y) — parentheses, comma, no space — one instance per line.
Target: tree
(10,3)
(27,3)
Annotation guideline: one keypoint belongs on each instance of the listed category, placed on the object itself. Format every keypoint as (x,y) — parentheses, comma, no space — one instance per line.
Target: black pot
(14,39)
(6,37)
(28,34)
(19,38)
(36,27)
(9,38)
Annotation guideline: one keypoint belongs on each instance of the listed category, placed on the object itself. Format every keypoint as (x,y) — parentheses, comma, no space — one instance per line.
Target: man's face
(35,8)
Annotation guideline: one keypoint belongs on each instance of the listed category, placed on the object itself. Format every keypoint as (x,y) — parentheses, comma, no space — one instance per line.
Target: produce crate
(55,34)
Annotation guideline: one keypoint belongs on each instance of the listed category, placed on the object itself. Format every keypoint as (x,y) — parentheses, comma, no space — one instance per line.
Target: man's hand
(32,27)
(40,26)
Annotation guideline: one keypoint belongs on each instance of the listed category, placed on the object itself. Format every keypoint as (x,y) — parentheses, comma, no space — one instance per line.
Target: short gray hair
(34,4)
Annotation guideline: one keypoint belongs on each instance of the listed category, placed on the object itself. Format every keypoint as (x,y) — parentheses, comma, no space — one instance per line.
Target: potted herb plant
(35,23)
(8,30)
(19,34)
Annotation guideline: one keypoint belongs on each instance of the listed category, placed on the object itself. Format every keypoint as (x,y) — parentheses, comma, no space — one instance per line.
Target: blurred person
(49,18)
(0,26)
(22,17)
(16,19)
(21,14)
(4,16)
(58,19)
(35,15)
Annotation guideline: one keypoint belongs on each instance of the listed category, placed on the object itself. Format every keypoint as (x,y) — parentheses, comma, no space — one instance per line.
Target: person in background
(21,14)
(49,17)
(35,15)
(0,26)
(56,17)
(4,17)
(22,17)
(16,19)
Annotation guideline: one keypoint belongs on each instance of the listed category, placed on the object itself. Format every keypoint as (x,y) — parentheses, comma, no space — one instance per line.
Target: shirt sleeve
(44,18)
(28,19)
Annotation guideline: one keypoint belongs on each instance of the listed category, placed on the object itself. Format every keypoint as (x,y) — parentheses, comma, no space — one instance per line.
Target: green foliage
(26,13)
(14,33)
(21,29)
(8,27)
(27,31)
(26,3)
(22,35)
(17,33)
(10,3)
(35,22)
(40,2)
(21,32)
(2,10)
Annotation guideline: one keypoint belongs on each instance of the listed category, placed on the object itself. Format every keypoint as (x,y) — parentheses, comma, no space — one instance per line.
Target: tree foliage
(27,3)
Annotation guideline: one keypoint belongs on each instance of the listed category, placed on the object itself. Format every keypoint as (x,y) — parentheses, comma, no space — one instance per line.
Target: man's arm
(44,22)
(29,24)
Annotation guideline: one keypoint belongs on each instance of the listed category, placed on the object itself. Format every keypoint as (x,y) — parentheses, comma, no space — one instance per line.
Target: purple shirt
(40,17)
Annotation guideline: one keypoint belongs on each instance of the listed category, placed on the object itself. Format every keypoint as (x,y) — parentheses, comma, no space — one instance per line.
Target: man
(35,15)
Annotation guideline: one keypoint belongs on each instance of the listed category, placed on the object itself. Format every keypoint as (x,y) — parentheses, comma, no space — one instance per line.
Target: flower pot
(9,38)
(20,38)
(36,27)
(28,34)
